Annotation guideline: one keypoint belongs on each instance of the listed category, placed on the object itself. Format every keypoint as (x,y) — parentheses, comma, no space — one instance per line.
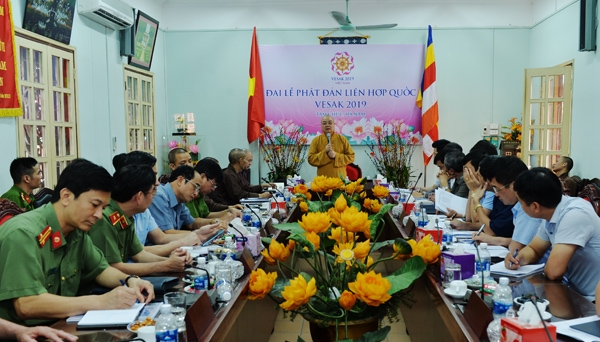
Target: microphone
(533,299)
(254,212)
(275,188)
(328,135)
(202,269)
(413,189)
(241,235)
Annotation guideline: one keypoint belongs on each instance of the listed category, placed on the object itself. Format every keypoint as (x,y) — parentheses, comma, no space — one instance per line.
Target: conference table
(230,322)
(432,317)
(437,317)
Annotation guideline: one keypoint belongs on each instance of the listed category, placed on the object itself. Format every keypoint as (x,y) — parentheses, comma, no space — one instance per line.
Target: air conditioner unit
(111,13)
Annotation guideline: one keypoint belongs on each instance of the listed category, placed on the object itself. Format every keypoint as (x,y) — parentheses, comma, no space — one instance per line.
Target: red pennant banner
(10,102)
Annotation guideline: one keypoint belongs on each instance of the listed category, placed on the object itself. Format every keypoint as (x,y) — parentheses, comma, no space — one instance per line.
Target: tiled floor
(287,331)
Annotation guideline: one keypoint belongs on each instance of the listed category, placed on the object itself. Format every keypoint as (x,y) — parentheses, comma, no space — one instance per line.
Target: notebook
(95,319)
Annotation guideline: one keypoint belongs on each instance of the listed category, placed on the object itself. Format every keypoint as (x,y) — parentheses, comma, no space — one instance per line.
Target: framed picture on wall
(146,29)
(52,19)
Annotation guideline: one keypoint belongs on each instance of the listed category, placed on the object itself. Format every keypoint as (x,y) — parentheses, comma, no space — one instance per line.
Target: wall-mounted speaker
(588,16)
(128,40)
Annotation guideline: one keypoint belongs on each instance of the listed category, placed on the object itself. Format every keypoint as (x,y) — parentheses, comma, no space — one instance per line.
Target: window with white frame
(139,106)
(47,130)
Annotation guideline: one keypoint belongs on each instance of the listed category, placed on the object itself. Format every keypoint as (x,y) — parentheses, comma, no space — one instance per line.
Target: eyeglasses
(214,185)
(496,190)
(196,185)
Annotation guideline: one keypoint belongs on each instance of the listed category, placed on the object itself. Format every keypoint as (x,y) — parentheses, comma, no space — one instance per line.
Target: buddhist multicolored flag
(256,95)
(427,101)
(10,101)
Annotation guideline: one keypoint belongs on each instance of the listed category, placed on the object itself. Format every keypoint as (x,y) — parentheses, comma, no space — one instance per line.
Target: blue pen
(514,256)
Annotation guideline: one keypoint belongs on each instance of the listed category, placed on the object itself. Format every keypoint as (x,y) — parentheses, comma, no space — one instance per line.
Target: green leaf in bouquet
(407,274)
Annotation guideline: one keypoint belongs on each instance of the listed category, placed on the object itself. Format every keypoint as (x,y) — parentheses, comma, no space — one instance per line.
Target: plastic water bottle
(287,195)
(166,325)
(502,298)
(256,222)
(229,247)
(448,236)
(223,281)
(201,279)
(503,303)
(484,261)
(247,217)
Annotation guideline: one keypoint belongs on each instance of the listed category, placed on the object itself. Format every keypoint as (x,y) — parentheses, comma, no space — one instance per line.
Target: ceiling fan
(346,24)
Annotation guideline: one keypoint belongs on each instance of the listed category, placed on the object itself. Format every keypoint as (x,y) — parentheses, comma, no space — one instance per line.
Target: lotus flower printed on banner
(334,237)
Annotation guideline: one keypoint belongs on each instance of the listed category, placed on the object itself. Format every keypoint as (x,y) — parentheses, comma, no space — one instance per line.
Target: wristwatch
(129,277)
(477,207)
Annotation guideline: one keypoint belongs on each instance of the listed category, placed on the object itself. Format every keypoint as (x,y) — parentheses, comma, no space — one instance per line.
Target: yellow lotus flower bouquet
(334,239)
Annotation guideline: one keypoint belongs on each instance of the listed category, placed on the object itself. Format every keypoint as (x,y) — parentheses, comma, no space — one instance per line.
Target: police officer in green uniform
(46,255)
(27,176)
(114,235)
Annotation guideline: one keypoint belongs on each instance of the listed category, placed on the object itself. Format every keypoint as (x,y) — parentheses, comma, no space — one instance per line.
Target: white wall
(99,89)
(555,41)
(202,53)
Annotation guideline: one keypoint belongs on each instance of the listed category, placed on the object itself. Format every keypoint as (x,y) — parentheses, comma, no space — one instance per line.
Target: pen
(123,282)
(480,229)
(514,256)
(453,216)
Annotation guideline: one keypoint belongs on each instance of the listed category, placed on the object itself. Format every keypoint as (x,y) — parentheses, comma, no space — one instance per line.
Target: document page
(445,200)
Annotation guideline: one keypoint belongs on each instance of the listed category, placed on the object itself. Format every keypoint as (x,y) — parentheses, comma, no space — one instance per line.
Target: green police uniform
(20,198)
(37,258)
(202,205)
(198,207)
(115,235)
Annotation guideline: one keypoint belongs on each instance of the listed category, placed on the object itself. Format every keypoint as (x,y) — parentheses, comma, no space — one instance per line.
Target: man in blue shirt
(168,206)
(506,170)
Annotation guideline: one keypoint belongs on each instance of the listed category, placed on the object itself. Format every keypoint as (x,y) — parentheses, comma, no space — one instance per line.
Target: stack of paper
(501,271)
(95,319)
(495,251)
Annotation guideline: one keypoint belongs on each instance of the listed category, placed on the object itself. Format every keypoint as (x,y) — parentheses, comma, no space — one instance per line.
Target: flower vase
(356,329)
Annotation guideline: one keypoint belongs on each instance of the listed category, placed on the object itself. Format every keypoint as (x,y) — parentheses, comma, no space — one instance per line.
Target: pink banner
(362,86)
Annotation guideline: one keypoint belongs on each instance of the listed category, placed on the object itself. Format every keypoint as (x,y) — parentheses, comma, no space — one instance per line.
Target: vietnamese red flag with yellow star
(427,101)
(256,95)
(10,101)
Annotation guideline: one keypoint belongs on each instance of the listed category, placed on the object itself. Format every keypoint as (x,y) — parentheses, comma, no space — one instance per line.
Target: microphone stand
(533,299)
(243,238)
(413,189)
(482,274)
(255,214)
(202,269)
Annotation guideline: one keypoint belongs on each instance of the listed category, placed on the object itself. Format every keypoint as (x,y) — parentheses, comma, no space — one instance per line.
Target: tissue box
(466,261)
(513,330)
(436,234)
(254,244)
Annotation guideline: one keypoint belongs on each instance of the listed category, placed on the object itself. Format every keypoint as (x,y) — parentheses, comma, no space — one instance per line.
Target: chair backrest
(353,172)
(591,192)
(8,209)
(43,196)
